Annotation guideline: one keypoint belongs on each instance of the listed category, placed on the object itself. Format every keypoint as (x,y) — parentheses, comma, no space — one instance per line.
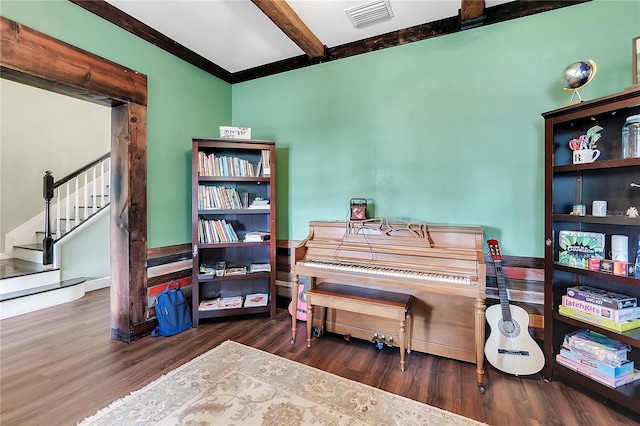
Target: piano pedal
(380,343)
(390,342)
(374,339)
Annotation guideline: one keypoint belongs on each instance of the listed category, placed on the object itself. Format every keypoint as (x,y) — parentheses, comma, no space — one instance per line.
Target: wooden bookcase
(234,158)
(566,184)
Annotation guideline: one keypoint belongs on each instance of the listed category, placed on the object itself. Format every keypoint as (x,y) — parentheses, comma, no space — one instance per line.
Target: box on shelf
(231,132)
(576,248)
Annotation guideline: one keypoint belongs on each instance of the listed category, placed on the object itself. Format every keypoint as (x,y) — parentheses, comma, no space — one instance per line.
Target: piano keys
(441,266)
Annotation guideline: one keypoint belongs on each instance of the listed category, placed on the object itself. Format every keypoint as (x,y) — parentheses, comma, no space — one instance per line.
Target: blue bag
(172,311)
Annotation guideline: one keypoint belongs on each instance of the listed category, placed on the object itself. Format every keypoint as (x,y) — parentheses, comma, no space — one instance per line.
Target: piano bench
(366,301)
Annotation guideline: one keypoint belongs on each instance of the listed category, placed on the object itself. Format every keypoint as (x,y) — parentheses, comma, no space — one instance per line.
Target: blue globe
(578,75)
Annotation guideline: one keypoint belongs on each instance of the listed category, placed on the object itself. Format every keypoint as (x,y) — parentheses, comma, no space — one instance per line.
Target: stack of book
(256,236)
(213,165)
(216,231)
(598,357)
(259,203)
(218,197)
(612,311)
(260,267)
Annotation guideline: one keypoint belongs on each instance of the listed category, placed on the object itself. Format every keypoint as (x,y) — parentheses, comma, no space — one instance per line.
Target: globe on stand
(576,76)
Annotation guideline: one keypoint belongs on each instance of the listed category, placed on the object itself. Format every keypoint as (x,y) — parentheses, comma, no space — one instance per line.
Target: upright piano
(442,266)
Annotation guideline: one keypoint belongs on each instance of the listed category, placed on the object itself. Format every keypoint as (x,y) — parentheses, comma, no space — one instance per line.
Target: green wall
(446,130)
(183,102)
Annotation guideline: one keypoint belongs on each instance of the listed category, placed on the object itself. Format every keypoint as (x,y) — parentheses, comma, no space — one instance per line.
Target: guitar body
(509,347)
(302,305)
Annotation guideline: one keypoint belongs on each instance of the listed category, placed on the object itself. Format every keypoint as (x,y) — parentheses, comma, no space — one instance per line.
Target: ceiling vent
(369,13)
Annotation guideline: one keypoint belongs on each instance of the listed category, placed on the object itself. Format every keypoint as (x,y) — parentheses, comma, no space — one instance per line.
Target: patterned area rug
(235,384)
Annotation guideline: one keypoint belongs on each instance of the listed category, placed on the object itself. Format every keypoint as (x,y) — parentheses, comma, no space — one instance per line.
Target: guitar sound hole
(509,328)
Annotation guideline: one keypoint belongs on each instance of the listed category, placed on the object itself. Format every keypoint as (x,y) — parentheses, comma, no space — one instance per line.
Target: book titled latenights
(616,315)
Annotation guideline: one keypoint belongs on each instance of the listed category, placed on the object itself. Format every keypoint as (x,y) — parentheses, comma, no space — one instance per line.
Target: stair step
(22,282)
(29,252)
(40,297)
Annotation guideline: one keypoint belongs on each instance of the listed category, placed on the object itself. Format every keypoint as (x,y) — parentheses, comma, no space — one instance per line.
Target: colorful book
(599,321)
(598,346)
(598,377)
(601,297)
(616,315)
(584,359)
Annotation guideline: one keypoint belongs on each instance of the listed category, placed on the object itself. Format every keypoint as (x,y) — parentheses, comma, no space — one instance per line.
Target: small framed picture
(636,60)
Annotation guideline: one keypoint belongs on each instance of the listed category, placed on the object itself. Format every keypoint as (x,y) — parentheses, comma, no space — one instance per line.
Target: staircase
(31,279)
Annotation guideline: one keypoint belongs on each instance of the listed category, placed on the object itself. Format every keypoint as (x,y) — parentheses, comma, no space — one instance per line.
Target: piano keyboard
(389,272)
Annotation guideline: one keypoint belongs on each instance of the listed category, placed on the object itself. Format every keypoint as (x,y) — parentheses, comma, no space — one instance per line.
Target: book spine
(616,315)
(599,298)
(601,322)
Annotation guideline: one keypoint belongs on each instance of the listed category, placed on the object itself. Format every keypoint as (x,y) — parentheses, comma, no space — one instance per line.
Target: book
(616,315)
(598,377)
(605,298)
(230,302)
(608,370)
(598,346)
(576,248)
(618,327)
(256,299)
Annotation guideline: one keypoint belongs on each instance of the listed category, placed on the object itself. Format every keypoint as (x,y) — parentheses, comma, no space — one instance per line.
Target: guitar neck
(502,291)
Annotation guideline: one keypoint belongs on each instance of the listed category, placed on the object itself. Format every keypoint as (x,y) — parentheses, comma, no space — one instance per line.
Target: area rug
(234,384)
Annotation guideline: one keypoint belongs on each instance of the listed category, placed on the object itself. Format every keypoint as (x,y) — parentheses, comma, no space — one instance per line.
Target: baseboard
(4,256)
(97,284)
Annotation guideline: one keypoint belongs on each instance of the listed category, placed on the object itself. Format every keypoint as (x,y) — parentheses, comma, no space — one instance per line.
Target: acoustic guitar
(509,347)
(302,305)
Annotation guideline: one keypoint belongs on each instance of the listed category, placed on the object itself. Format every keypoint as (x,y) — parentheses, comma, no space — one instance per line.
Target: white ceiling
(236,35)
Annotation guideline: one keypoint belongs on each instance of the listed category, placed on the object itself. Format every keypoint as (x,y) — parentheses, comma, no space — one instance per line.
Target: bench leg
(309,323)
(402,343)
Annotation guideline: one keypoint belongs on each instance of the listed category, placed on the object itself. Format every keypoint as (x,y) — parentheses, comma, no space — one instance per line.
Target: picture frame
(636,60)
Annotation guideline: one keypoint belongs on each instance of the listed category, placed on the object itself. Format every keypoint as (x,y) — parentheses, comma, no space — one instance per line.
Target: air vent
(369,13)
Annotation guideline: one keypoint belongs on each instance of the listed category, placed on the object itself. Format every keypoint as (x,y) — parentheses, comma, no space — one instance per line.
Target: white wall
(39,131)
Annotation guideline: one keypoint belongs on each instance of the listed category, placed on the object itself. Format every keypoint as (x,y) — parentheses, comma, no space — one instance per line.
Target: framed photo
(636,60)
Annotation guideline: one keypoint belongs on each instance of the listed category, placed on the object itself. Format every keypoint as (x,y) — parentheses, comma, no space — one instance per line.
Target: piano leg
(309,324)
(480,327)
(294,306)
(403,338)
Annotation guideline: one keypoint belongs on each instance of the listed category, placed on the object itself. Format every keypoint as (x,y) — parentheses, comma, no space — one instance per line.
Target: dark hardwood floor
(59,366)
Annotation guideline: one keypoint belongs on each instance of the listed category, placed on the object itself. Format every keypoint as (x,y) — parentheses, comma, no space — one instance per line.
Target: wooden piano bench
(366,301)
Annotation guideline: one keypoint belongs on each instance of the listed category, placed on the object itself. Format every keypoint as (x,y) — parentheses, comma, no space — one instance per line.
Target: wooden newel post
(47,242)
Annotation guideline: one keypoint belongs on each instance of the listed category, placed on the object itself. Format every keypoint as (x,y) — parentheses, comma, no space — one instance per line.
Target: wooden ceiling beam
(471,9)
(471,14)
(290,23)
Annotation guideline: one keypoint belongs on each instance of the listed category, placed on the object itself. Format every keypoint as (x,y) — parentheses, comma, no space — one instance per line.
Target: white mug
(599,208)
(582,156)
